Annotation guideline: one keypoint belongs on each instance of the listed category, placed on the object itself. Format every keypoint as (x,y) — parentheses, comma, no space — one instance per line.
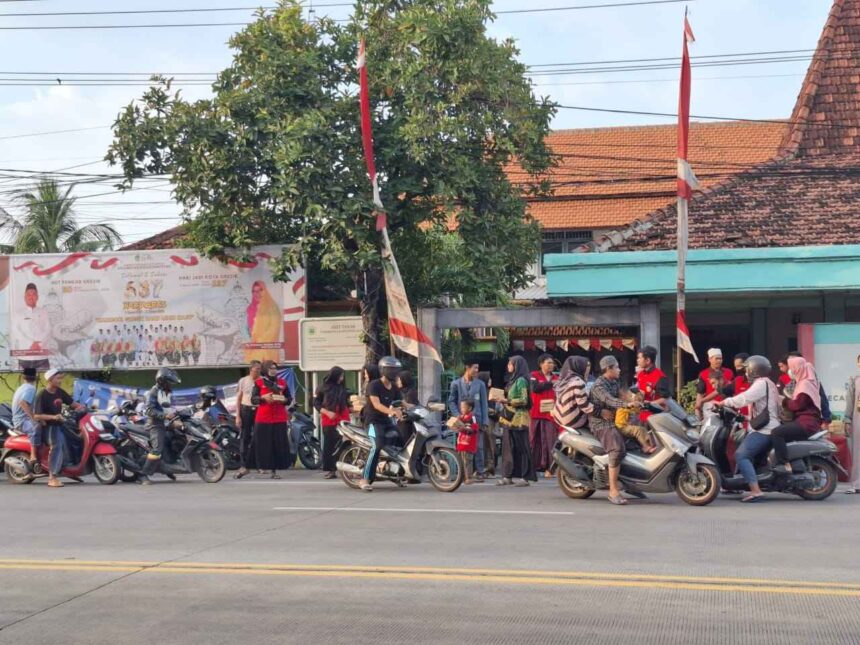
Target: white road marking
(365,509)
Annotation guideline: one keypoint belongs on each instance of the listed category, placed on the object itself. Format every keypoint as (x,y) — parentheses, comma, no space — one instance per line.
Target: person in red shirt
(705,390)
(272,397)
(543,432)
(467,438)
(331,402)
(784,379)
(651,380)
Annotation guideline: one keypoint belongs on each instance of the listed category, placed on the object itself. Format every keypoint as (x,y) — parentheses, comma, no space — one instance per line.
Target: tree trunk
(373,291)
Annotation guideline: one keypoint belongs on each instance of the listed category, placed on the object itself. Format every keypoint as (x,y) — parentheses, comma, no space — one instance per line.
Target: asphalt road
(304,560)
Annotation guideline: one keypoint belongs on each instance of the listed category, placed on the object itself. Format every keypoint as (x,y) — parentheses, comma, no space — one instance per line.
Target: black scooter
(303,441)
(814,469)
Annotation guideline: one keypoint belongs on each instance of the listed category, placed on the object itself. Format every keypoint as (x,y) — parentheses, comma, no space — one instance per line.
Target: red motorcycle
(87,445)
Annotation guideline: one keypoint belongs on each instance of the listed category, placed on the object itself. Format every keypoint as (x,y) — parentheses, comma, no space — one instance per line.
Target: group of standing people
(262,413)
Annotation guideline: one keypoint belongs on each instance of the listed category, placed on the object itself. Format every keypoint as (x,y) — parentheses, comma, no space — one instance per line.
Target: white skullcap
(715,351)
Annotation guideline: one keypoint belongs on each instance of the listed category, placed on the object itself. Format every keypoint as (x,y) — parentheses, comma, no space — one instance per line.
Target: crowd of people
(142,345)
(526,415)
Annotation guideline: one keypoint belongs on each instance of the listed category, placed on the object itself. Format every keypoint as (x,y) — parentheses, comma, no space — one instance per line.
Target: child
(634,430)
(467,438)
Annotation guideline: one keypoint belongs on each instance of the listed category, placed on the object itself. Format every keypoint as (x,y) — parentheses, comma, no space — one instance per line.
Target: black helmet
(166,378)
(390,367)
(757,367)
(208,393)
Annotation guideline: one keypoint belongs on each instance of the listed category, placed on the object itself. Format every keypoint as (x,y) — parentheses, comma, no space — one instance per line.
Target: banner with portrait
(5,360)
(146,309)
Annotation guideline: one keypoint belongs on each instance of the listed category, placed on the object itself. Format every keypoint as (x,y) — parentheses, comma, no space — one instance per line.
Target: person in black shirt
(381,394)
(48,410)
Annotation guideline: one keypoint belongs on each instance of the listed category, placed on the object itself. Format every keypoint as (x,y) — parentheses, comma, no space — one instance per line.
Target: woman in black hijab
(331,402)
(516,455)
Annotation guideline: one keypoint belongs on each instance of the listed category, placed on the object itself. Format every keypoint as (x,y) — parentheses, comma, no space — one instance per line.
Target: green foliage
(687,396)
(50,225)
(275,156)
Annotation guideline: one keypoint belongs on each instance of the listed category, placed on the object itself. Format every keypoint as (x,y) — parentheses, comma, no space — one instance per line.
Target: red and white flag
(401,323)
(687,183)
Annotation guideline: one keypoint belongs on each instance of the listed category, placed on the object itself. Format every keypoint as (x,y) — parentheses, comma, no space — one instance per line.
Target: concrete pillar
(649,326)
(834,308)
(429,371)
(758,331)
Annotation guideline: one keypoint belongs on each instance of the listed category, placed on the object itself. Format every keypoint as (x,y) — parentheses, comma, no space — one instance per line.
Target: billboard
(5,360)
(833,348)
(146,309)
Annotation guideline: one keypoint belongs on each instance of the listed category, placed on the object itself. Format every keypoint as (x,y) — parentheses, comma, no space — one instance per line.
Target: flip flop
(853,491)
(618,501)
(752,499)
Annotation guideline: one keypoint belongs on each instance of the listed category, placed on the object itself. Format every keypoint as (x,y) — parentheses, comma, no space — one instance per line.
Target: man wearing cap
(23,402)
(711,379)
(604,397)
(49,407)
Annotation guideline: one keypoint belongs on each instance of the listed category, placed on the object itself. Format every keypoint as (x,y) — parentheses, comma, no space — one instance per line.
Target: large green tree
(50,223)
(275,156)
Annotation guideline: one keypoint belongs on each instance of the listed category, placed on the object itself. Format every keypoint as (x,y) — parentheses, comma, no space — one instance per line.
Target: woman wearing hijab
(516,455)
(572,406)
(265,323)
(804,404)
(408,394)
(331,402)
(271,395)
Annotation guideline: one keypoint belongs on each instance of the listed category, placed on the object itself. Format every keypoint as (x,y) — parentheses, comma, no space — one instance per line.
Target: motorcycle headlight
(97,423)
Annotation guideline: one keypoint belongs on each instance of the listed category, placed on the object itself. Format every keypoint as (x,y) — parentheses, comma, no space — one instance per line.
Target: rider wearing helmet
(158,411)
(208,397)
(763,401)
(381,394)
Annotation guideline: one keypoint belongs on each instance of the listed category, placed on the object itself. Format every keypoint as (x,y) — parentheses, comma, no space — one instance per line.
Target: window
(561,242)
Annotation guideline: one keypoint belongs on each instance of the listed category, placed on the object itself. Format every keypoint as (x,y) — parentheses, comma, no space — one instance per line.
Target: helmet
(757,367)
(390,367)
(166,378)
(208,393)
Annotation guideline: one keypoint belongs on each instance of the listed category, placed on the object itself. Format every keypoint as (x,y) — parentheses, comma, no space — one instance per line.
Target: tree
(275,155)
(50,224)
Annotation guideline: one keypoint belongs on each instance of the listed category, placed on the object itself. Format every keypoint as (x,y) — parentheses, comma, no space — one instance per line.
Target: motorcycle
(814,469)
(189,448)
(303,441)
(676,465)
(222,424)
(89,445)
(5,422)
(427,452)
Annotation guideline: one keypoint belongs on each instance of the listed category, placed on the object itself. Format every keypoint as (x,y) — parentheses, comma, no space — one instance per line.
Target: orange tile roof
(612,176)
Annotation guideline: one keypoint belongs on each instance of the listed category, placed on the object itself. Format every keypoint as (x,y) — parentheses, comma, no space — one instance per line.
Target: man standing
(245,413)
(33,330)
(852,427)
(23,404)
(49,407)
(715,372)
(542,429)
(470,387)
(604,399)
(651,380)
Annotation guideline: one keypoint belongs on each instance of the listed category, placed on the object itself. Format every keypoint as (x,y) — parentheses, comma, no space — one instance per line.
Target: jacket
(604,396)
(541,390)
(476,391)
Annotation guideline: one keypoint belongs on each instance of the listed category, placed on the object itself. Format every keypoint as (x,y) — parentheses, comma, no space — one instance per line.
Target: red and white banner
(145,309)
(687,182)
(401,323)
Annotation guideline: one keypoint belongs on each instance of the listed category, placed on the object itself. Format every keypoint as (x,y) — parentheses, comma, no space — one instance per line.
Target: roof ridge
(738,122)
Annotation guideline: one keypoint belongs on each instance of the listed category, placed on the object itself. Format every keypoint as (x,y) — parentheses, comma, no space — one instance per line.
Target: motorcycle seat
(134,429)
(801,449)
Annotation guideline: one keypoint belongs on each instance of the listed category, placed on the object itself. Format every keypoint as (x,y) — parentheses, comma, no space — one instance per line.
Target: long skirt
(331,439)
(271,446)
(542,437)
(516,455)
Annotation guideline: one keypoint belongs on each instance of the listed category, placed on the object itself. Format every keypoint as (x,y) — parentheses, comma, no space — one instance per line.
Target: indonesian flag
(401,323)
(686,184)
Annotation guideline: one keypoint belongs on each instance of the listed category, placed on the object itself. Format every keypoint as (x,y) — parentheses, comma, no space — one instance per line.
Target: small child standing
(467,438)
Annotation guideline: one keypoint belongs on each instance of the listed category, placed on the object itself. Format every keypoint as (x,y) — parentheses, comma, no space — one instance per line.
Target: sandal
(504,481)
(55,484)
(329,475)
(276,476)
(618,501)
(522,484)
(240,473)
(751,499)
(853,491)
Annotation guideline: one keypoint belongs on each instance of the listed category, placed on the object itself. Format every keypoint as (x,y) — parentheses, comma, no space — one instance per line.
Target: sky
(571,36)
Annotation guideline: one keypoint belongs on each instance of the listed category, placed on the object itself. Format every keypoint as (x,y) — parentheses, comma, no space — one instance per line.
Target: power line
(591,6)
(40,134)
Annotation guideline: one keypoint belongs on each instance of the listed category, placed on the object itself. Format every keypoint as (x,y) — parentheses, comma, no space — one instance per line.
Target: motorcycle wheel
(700,489)
(445,470)
(106,469)
(825,476)
(211,466)
(12,476)
(571,487)
(310,454)
(354,456)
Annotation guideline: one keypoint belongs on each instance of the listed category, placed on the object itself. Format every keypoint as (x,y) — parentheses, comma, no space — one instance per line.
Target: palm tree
(50,225)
